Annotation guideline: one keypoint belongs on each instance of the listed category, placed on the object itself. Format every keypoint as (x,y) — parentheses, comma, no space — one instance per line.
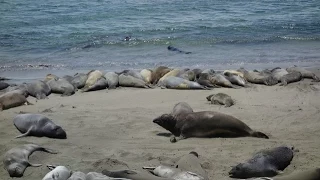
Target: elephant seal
(190,162)
(290,78)
(38,125)
(235,79)
(172,82)
(146,74)
(204,80)
(60,85)
(171,48)
(305,73)
(16,159)
(221,98)
(157,73)
(278,72)
(233,72)
(266,163)
(99,176)
(220,80)
(78,80)
(133,175)
(173,72)
(174,173)
(3,85)
(205,124)
(181,109)
(197,73)
(187,74)
(130,81)
(12,99)
(258,77)
(132,73)
(112,79)
(38,89)
(57,173)
(77,176)
(209,71)
(100,84)
(310,174)
(93,77)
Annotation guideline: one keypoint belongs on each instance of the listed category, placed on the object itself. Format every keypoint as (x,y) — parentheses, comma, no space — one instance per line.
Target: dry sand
(113,129)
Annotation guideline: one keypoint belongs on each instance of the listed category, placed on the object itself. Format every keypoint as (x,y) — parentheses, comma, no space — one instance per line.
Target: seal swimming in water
(78,175)
(173,82)
(57,173)
(305,73)
(310,174)
(220,98)
(59,85)
(12,99)
(290,78)
(112,79)
(38,89)
(171,48)
(157,73)
(205,124)
(173,173)
(190,162)
(266,163)
(16,160)
(38,125)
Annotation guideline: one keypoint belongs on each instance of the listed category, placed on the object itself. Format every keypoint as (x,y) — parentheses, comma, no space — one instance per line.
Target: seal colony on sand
(205,124)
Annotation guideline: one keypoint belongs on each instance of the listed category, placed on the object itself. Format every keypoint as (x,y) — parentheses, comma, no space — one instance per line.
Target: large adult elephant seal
(209,71)
(101,83)
(16,160)
(220,80)
(190,162)
(112,79)
(197,73)
(233,72)
(93,77)
(305,73)
(204,80)
(310,174)
(278,73)
(129,81)
(3,85)
(172,82)
(11,100)
(220,98)
(205,124)
(173,72)
(266,163)
(57,173)
(133,175)
(157,73)
(78,175)
(78,80)
(146,74)
(38,89)
(132,73)
(235,79)
(38,125)
(187,74)
(290,78)
(258,78)
(59,85)
(174,173)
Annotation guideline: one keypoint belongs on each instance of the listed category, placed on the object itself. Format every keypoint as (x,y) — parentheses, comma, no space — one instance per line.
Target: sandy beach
(113,129)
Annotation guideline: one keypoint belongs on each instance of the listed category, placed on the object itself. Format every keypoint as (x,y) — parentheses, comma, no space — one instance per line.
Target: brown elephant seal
(235,79)
(305,73)
(12,99)
(38,89)
(173,82)
(310,174)
(59,85)
(173,72)
(100,84)
(57,173)
(146,74)
(3,85)
(266,163)
(220,98)
(173,173)
(205,124)
(38,125)
(133,175)
(190,162)
(290,78)
(112,79)
(220,80)
(157,73)
(16,160)
(93,77)
(258,77)
(130,81)
(78,175)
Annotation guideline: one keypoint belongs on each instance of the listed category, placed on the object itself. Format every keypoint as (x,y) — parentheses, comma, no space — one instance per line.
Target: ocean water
(63,37)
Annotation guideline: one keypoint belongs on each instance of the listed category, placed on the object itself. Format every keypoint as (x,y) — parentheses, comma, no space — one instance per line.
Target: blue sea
(64,37)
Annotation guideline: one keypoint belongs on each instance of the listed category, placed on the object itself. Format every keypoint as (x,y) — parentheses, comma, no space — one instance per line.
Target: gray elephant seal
(174,173)
(190,162)
(133,175)
(204,80)
(173,82)
(305,73)
(59,85)
(197,73)
(77,176)
(220,80)
(266,163)
(157,73)
(310,174)
(220,98)
(11,100)
(205,124)
(112,79)
(278,73)
(16,159)
(258,77)
(57,173)
(132,73)
(99,176)
(181,109)
(38,89)
(290,78)
(78,80)
(130,81)
(38,125)
(3,85)
(100,84)
(209,71)
(235,79)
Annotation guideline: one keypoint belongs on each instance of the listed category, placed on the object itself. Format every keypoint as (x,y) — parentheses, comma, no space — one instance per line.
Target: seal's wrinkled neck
(168,122)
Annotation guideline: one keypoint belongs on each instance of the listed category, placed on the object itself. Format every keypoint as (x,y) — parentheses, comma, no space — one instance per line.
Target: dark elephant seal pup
(11,100)
(266,163)
(16,160)
(205,124)
(38,125)
(290,78)
(221,98)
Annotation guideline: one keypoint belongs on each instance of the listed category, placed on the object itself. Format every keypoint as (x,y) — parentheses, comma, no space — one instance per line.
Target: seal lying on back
(174,173)
(205,124)
(172,82)
(290,78)
(266,163)
(190,162)
(133,175)
(16,159)
(38,125)
(310,174)
(59,85)
(57,173)
(171,48)
(220,98)
(11,100)
(305,73)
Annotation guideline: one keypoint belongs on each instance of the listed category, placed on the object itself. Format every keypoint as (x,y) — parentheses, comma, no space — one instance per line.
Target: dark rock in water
(171,48)
(3,85)
(3,79)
